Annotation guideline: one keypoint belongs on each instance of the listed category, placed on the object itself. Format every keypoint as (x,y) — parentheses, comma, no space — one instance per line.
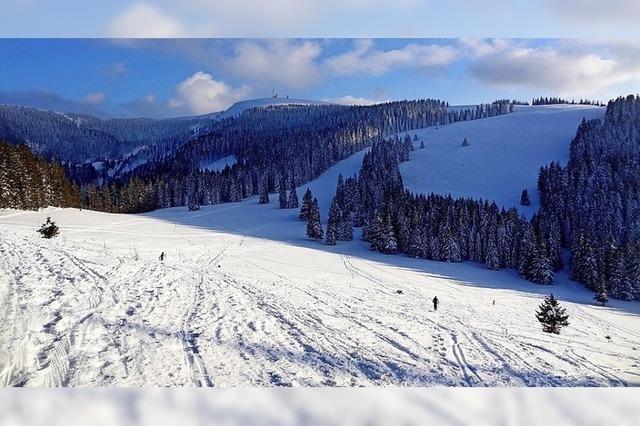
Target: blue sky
(173,77)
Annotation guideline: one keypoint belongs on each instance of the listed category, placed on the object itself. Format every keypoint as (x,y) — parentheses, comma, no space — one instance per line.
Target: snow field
(243,299)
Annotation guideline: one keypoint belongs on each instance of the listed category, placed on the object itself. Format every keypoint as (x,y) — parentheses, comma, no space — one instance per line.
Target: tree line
(291,144)
(29,182)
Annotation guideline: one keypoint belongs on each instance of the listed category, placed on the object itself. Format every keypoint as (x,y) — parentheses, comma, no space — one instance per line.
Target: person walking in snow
(435,303)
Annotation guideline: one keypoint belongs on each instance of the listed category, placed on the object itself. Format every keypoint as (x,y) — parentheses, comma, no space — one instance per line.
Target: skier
(161,256)
(435,303)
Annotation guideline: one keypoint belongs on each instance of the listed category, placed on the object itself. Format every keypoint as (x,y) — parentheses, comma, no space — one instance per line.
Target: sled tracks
(189,338)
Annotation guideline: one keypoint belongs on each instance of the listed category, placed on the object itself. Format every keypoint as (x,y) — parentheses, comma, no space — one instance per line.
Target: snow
(219,164)
(240,107)
(503,157)
(374,406)
(243,299)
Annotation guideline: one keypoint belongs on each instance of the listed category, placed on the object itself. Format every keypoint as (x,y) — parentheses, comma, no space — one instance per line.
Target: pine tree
(551,315)
(524,198)
(264,195)
(601,294)
(492,258)
(422,144)
(314,223)
(382,237)
(465,142)
(345,227)
(292,202)
(49,229)
(282,195)
(307,203)
(333,221)
(194,205)
(539,269)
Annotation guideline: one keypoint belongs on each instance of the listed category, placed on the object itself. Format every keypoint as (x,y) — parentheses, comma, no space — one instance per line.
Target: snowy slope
(243,298)
(240,107)
(503,156)
(219,164)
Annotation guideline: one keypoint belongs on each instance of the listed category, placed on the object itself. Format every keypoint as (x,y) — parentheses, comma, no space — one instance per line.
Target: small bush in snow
(49,229)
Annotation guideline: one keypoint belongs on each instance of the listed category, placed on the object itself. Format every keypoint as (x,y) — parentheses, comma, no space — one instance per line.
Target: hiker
(161,256)
(435,303)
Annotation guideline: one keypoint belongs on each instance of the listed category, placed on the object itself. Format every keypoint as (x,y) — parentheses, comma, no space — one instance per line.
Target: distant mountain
(113,146)
(78,138)
(242,106)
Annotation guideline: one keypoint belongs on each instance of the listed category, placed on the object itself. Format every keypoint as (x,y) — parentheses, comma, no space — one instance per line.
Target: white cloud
(353,100)
(144,20)
(596,12)
(201,94)
(94,98)
(287,63)
(364,58)
(566,68)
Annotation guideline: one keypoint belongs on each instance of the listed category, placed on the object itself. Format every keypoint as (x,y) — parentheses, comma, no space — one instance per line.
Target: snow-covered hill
(242,106)
(242,298)
(503,157)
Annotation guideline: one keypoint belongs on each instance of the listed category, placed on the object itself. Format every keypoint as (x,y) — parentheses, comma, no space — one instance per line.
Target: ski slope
(243,299)
(503,157)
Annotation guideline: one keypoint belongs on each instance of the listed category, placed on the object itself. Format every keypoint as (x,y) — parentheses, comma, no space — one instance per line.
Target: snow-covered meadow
(243,298)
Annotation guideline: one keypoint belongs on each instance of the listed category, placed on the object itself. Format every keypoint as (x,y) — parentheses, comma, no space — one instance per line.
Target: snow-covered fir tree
(314,222)
(307,204)
(600,295)
(551,315)
(282,194)
(292,200)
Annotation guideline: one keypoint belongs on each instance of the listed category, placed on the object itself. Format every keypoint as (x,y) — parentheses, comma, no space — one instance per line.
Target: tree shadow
(250,221)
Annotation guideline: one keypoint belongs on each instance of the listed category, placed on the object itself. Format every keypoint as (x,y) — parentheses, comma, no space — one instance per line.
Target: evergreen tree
(345,227)
(292,202)
(49,229)
(422,144)
(382,237)
(539,269)
(465,142)
(551,315)
(333,221)
(307,203)
(264,192)
(492,258)
(524,198)
(314,223)
(282,195)
(194,205)
(601,294)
